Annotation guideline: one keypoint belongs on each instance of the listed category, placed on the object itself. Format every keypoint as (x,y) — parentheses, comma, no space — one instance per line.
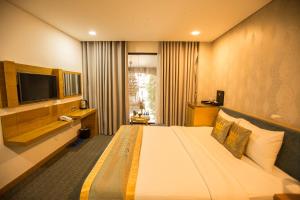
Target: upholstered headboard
(288,158)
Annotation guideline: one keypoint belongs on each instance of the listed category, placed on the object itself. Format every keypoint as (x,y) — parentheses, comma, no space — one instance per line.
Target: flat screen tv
(36,87)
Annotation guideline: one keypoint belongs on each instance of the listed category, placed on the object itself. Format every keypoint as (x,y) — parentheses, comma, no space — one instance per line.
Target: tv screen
(36,87)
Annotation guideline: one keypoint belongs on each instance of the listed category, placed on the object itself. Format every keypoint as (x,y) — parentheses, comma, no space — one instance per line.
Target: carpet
(63,175)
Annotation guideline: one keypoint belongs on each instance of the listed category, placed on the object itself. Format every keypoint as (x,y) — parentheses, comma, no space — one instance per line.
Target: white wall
(27,40)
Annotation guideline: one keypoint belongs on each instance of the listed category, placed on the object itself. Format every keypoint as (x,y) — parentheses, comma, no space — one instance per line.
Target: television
(36,87)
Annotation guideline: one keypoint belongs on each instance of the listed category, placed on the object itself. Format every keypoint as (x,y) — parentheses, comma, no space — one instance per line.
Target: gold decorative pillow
(237,140)
(221,129)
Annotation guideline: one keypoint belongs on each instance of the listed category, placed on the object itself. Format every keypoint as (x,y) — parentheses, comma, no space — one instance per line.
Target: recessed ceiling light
(92,33)
(195,33)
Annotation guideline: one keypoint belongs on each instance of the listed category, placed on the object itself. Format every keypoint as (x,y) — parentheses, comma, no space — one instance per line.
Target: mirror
(72,84)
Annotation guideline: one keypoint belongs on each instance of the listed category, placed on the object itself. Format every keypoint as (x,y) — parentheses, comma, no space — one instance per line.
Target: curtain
(178,74)
(105,82)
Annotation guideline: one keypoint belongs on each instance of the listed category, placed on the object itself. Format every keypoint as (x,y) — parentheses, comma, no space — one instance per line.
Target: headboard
(288,158)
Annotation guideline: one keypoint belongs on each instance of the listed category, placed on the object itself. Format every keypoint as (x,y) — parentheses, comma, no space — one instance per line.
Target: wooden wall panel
(67,108)
(33,69)
(22,122)
(60,82)
(9,126)
(33,119)
(8,81)
(11,83)
(3,99)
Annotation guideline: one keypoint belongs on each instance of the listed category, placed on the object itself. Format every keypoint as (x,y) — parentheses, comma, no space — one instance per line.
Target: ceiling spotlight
(195,33)
(92,33)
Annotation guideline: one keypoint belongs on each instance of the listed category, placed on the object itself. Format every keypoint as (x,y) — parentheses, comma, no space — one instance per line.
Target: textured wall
(257,63)
(204,77)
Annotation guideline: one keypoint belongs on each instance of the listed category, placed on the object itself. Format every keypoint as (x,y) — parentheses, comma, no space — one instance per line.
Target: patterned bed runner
(115,173)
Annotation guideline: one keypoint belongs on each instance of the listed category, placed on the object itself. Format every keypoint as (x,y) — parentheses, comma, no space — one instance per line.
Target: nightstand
(199,114)
(286,197)
(143,119)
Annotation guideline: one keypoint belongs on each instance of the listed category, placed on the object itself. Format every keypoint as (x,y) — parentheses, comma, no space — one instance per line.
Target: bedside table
(143,119)
(286,197)
(199,114)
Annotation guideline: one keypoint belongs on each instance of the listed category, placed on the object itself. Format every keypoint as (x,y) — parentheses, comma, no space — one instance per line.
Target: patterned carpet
(61,177)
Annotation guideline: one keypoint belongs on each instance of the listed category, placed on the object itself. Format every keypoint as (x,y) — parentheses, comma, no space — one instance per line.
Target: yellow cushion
(237,140)
(221,129)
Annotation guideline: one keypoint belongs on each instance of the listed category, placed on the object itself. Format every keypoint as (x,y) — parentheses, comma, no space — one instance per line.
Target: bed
(183,163)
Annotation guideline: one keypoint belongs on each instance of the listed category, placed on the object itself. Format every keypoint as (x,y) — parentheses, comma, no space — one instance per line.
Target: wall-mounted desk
(26,127)
(82,113)
(33,135)
(88,118)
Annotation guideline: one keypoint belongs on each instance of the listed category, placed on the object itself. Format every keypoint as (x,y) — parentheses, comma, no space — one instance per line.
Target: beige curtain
(178,74)
(105,82)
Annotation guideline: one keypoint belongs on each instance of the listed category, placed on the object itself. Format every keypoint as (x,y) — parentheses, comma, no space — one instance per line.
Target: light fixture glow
(195,33)
(92,33)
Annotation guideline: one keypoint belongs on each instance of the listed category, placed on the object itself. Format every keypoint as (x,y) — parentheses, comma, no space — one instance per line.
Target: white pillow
(263,145)
(228,117)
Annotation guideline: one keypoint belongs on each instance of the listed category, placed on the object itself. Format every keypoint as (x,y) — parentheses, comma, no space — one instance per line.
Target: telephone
(65,118)
(210,102)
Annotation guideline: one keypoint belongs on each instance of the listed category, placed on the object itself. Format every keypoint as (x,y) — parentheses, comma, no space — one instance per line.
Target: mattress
(187,163)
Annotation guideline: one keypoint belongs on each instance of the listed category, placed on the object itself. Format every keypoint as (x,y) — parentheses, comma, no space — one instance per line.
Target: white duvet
(185,163)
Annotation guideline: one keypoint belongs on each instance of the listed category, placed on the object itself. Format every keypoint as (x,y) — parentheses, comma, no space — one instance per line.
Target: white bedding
(187,163)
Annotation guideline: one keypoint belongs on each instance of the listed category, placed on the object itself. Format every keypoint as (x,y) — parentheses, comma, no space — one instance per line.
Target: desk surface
(30,136)
(79,114)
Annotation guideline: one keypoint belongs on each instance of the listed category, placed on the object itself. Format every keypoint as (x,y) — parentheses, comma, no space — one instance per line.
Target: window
(143,84)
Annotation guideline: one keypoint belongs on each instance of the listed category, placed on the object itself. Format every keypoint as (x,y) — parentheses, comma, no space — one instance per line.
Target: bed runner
(116,177)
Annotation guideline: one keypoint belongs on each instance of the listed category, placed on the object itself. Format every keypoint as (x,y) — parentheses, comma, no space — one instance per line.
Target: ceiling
(142,20)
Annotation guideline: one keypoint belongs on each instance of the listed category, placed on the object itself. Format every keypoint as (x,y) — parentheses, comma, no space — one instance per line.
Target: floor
(62,176)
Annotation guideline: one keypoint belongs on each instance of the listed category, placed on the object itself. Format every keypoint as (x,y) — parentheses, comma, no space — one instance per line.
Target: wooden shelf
(35,134)
(82,113)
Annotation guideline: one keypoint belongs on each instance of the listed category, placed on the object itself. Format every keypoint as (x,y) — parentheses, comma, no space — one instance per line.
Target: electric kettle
(83,104)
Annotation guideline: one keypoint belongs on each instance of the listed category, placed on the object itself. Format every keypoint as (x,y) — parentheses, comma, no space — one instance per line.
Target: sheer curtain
(178,75)
(105,82)
(144,84)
